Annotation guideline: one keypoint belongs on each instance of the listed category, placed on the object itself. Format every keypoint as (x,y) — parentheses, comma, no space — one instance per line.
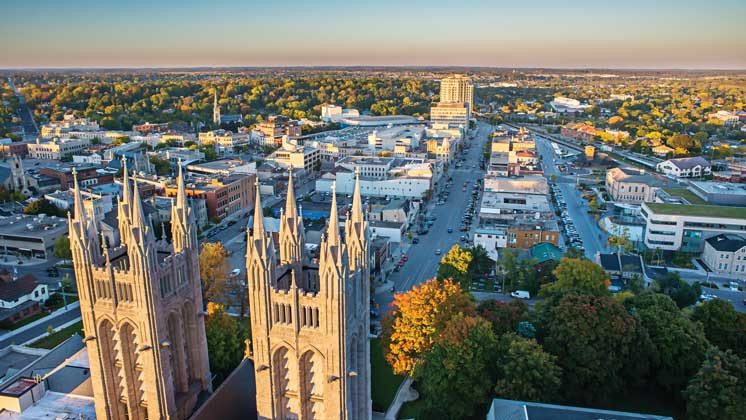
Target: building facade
(56,149)
(690,167)
(629,185)
(450,114)
(310,319)
(141,305)
(457,88)
(726,254)
(672,227)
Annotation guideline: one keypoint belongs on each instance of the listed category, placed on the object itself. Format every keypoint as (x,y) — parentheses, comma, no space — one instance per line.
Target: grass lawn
(51,341)
(384,383)
(28,320)
(686,194)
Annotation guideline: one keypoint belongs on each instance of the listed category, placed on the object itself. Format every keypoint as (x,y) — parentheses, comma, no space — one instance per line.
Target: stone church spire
(215,109)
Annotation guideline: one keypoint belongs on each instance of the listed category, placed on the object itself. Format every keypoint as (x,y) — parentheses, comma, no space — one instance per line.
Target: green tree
(61,248)
(680,291)
(43,206)
(457,373)
(717,390)
(162,166)
(680,344)
(504,317)
(455,265)
(599,345)
(226,341)
(724,327)
(525,371)
(577,275)
(480,261)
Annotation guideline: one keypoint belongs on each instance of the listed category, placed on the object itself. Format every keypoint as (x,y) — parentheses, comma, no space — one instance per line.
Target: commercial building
(87,175)
(492,240)
(56,149)
(223,195)
(506,196)
(524,235)
(335,113)
(291,155)
(457,88)
(718,193)
(383,177)
(629,185)
(563,105)
(672,227)
(275,127)
(690,167)
(223,167)
(726,254)
(389,138)
(30,236)
(68,124)
(224,140)
(450,114)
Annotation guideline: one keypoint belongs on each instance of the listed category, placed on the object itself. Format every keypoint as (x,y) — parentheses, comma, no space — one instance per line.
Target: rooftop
(685,194)
(727,243)
(520,410)
(33,226)
(55,405)
(719,187)
(698,210)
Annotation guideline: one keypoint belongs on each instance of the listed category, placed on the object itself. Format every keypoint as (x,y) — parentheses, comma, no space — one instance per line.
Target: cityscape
(253,220)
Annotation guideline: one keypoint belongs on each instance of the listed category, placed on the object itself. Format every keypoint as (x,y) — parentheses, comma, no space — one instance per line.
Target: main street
(422,261)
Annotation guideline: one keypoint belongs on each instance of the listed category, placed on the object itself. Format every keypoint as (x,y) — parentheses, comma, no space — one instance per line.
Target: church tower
(215,109)
(310,318)
(141,305)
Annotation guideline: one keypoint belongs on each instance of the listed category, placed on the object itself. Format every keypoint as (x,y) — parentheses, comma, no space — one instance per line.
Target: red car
(404,258)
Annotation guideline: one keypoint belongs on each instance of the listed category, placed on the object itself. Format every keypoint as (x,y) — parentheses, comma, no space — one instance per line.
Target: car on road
(450,230)
(437,251)
(521,294)
(235,272)
(415,240)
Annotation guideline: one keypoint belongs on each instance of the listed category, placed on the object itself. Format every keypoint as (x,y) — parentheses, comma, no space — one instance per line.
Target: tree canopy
(717,390)
(579,275)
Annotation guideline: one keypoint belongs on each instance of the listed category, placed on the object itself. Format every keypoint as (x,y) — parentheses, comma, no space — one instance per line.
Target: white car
(521,294)
(235,272)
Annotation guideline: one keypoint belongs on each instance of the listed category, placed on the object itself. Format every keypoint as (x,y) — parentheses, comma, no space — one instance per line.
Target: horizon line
(377,66)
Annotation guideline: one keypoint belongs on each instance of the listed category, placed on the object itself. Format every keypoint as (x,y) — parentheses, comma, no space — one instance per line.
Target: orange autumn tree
(417,318)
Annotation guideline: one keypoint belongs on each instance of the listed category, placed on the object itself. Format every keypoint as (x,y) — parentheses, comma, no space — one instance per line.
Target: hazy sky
(534,33)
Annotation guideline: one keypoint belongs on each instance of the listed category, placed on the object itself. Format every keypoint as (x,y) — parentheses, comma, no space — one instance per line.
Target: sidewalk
(404,394)
(44,320)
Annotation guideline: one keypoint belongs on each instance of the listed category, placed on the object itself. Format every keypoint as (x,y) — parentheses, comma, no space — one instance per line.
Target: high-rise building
(215,109)
(457,88)
(310,319)
(141,305)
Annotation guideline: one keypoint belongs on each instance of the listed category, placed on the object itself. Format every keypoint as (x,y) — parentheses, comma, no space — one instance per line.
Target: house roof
(13,290)
(520,410)
(621,263)
(234,399)
(545,251)
(727,242)
(689,162)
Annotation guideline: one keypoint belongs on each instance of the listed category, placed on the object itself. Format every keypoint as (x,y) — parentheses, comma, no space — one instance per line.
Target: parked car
(437,251)
(235,272)
(521,294)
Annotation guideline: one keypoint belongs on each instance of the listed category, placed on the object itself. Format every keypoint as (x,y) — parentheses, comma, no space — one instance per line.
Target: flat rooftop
(698,210)
(55,405)
(719,188)
(685,194)
(33,226)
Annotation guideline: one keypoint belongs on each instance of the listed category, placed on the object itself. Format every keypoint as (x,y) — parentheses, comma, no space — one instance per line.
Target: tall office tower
(310,319)
(457,88)
(141,304)
(215,109)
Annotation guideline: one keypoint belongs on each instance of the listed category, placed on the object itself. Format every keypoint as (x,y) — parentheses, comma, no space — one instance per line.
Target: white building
(492,240)
(673,227)
(295,156)
(726,254)
(69,123)
(458,88)
(381,177)
(224,140)
(564,105)
(389,138)
(689,167)
(335,113)
(450,114)
(56,149)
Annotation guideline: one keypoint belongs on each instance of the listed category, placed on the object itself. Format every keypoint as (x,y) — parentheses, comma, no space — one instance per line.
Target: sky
(633,34)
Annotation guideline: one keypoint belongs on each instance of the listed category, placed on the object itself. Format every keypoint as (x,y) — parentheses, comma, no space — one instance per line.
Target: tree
(525,371)
(43,206)
(680,291)
(599,345)
(226,341)
(724,327)
(578,275)
(61,248)
(457,373)
(717,390)
(213,270)
(504,317)
(480,261)
(162,166)
(680,344)
(417,318)
(455,265)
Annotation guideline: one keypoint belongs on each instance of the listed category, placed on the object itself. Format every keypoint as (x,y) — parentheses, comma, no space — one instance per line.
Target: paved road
(40,329)
(423,263)
(594,239)
(31,131)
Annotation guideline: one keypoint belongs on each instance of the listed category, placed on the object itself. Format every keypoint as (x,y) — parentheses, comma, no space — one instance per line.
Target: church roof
(235,399)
